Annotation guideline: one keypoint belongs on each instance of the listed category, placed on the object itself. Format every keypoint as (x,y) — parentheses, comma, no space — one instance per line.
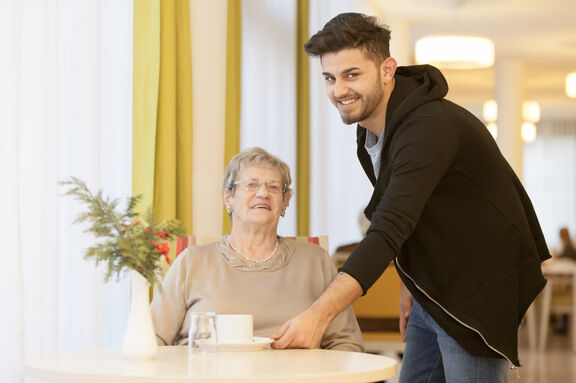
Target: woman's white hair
(255,157)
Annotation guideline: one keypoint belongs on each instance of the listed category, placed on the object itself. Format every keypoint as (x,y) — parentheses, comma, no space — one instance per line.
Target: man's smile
(349,100)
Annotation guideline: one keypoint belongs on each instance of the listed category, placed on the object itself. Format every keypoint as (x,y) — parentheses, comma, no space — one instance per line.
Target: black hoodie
(452,214)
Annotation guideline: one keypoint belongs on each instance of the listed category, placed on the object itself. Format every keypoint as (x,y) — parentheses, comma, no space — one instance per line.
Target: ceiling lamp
(571,85)
(455,52)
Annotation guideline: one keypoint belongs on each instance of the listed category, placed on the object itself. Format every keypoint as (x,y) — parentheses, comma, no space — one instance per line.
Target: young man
(447,209)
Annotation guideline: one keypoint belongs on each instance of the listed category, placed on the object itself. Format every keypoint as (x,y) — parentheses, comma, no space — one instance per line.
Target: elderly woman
(251,270)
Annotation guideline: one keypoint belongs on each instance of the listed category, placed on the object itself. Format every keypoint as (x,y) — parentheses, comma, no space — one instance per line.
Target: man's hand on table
(306,330)
(303,331)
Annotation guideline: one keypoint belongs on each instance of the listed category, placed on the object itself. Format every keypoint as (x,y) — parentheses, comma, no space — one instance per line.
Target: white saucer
(258,344)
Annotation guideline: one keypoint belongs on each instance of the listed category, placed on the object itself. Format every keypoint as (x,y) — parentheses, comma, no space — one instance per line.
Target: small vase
(139,337)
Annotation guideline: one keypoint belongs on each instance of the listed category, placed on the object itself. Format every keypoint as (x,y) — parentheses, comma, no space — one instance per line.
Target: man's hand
(406,300)
(303,331)
(306,330)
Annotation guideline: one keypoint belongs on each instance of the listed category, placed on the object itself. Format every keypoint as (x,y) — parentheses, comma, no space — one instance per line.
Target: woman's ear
(286,200)
(226,196)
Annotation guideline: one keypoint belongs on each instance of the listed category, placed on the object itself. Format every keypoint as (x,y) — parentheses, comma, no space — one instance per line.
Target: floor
(556,364)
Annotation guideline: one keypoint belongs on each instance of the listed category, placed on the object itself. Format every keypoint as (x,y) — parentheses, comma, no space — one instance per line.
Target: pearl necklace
(251,259)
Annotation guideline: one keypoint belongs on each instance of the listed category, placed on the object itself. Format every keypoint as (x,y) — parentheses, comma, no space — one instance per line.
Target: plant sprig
(124,240)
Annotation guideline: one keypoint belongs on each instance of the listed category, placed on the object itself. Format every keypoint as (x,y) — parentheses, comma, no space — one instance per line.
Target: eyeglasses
(254,184)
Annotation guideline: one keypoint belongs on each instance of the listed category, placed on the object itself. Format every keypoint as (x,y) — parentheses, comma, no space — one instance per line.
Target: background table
(172,364)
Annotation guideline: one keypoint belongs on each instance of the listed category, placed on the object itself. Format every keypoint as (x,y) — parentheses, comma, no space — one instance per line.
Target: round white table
(173,364)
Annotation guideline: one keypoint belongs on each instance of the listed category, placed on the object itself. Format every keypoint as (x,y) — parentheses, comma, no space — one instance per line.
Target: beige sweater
(212,277)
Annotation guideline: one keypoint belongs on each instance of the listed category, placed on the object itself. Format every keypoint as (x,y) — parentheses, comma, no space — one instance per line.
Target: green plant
(124,240)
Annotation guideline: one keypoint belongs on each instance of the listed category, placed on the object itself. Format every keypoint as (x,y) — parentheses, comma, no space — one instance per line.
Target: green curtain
(146,66)
(233,88)
(162,159)
(303,121)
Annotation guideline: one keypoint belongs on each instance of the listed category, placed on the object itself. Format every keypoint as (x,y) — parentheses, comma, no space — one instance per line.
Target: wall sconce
(528,131)
(490,110)
(571,85)
(490,115)
(530,115)
(455,52)
(493,129)
(531,111)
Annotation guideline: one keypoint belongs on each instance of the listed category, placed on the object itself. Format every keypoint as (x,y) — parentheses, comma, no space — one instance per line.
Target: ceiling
(539,34)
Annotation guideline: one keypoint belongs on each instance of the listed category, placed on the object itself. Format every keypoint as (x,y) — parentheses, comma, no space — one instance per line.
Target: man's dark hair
(352,30)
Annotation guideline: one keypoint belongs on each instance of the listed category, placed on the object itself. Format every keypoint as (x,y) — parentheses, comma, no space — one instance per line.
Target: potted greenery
(126,242)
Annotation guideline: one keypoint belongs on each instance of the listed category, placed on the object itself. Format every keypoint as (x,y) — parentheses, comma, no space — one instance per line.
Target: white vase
(139,337)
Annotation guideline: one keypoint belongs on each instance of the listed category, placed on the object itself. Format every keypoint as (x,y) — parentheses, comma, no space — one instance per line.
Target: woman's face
(260,206)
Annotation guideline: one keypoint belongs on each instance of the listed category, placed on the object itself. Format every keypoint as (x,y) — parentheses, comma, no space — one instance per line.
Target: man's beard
(371,102)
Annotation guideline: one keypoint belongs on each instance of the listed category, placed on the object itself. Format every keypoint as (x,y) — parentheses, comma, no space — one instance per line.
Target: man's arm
(306,330)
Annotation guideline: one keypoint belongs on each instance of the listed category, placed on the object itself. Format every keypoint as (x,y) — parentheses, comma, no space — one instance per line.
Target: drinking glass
(202,329)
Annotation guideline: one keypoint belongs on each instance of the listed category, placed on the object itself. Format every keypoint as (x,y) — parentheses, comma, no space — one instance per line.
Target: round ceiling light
(455,52)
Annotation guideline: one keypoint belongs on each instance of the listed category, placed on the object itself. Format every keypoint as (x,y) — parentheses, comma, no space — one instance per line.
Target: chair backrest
(321,240)
(193,240)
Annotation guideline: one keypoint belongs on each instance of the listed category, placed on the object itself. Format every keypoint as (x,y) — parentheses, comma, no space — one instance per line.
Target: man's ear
(388,69)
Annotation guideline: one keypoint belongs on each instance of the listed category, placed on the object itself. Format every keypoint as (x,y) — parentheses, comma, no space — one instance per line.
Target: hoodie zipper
(512,366)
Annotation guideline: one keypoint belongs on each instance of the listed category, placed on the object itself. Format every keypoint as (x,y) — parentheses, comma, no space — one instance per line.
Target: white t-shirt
(373,146)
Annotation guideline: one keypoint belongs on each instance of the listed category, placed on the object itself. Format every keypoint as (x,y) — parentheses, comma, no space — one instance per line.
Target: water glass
(202,329)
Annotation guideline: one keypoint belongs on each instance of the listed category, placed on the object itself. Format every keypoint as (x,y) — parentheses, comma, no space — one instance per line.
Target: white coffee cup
(234,328)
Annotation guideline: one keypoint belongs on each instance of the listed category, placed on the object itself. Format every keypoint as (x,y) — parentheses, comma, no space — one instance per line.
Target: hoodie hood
(415,85)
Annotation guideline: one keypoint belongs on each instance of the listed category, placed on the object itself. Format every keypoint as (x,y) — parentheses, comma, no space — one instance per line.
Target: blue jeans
(432,356)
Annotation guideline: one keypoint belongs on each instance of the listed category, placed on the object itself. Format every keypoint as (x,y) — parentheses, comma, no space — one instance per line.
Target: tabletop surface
(174,364)
(559,266)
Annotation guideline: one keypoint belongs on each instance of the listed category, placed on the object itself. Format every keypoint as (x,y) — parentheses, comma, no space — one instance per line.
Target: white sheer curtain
(269,85)
(65,109)
(339,188)
(549,172)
